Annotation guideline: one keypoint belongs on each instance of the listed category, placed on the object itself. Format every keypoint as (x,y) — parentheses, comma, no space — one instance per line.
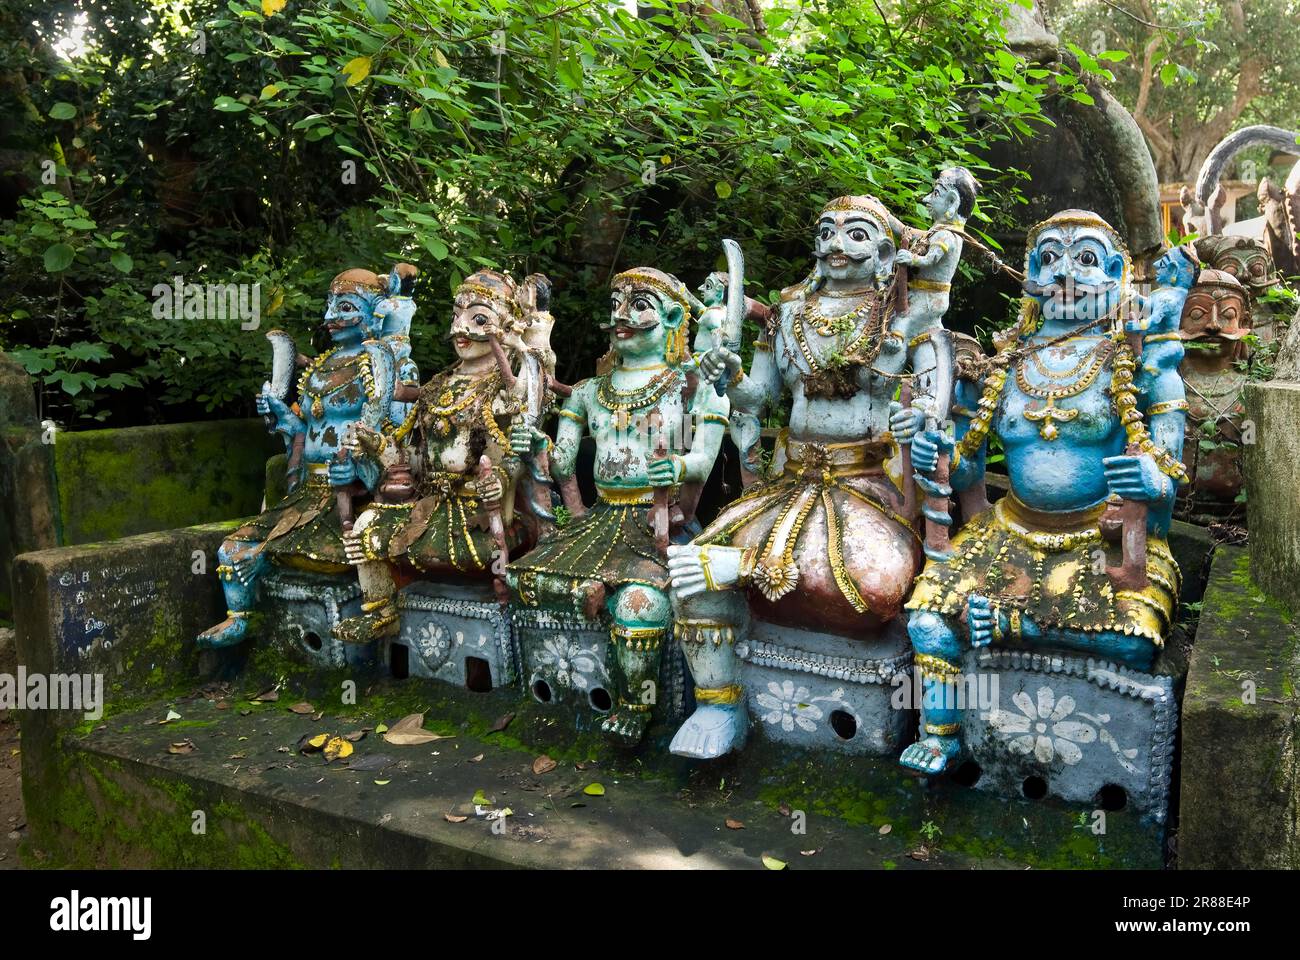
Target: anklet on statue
(721,696)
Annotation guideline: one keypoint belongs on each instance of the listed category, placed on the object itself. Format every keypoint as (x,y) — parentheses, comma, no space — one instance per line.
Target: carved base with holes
(824,691)
(457,633)
(301,611)
(568,661)
(1079,729)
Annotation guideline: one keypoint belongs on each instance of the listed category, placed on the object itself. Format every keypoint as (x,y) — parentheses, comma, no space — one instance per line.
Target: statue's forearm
(760,387)
(698,462)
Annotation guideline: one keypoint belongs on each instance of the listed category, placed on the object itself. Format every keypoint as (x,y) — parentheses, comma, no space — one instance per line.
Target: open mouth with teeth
(839,260)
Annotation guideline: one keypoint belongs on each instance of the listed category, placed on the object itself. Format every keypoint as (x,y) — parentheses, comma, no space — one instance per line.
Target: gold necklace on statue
(1049,415)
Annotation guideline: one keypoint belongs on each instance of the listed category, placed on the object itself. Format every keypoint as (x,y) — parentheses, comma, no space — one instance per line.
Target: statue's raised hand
(1136,478)
(694,569)
(979,618)
(717,363)
(526,440)
(665,471)
(489,489)
(925,449)
(342,471)
(286,421)
(904,422)
(904,258)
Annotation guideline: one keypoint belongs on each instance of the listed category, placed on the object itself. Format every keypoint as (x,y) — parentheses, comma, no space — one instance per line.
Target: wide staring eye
(1257,268)
(1196,313)
(643,303)
(346,307)
(858,236)
(1047,257)
(1088,258)
(826,233)
(482,319)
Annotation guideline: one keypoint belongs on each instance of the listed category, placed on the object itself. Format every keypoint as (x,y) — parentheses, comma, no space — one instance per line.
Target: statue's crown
(493,287)
(864,204)
(665,283)
(357,280)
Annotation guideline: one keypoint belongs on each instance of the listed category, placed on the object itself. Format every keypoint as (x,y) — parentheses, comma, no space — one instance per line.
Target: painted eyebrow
(831,220)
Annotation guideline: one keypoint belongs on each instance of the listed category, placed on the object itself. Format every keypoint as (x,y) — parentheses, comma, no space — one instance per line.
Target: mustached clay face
(481,311)
(1078,269)
(1250,264)
(1216,314)
(850,245)
(642,314)
(350,306)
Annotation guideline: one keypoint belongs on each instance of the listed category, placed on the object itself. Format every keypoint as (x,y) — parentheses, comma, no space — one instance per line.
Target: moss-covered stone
(115,483)
(1272,465)
(1240,782)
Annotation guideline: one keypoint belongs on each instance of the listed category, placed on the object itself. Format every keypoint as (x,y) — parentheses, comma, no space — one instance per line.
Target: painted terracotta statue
(1090,459)
(446,508)
(827,539)
(656,429)
(347,387)
(1215,322)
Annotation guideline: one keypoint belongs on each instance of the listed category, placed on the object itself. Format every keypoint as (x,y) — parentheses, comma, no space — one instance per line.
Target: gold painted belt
(448,484)
(839,459)
(1050,530)
(632,496)
(922,284)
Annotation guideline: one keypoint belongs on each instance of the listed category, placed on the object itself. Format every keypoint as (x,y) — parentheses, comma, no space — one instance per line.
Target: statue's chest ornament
(835,374)
(621,403)
(320,379)
(461,401)
(1057,385)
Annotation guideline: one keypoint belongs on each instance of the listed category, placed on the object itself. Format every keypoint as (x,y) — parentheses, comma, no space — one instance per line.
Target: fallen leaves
(266,696)
(409,732)
(302,709)
(885,829)
(772,863)
(734,824)
(337,749)
(543,764)
(454,818)
(501,723)
(182,747)
(594,790)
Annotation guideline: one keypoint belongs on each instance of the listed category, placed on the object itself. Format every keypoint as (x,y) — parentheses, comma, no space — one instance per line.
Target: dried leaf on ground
(543,764)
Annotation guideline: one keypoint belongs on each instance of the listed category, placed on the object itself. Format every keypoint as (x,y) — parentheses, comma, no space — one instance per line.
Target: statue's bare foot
(227,633)
(711,731)
(931,755)
(626,724)
(365,627)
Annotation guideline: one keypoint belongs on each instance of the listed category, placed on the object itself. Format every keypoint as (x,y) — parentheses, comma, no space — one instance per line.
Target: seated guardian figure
(1060,396)
(825,542)
(348,386)
(611,557)
(441,521)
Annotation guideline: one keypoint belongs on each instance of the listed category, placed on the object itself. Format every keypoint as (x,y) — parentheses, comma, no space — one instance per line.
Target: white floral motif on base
(1044,728)
(791,706)
(571,663)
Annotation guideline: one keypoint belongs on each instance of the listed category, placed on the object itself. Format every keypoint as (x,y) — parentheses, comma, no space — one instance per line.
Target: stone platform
(125,800)
(114,792)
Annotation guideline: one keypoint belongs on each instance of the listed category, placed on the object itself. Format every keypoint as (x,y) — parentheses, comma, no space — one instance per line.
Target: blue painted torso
(1064,473)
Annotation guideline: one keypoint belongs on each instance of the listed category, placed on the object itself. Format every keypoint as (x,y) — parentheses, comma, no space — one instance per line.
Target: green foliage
(287,142)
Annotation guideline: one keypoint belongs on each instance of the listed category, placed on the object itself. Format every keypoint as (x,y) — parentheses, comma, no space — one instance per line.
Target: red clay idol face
(1215,315)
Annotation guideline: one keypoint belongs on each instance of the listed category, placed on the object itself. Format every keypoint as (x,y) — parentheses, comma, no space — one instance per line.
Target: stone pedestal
(302,609)
(1082,730)
(826,692)
(569,661)
(457,633)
